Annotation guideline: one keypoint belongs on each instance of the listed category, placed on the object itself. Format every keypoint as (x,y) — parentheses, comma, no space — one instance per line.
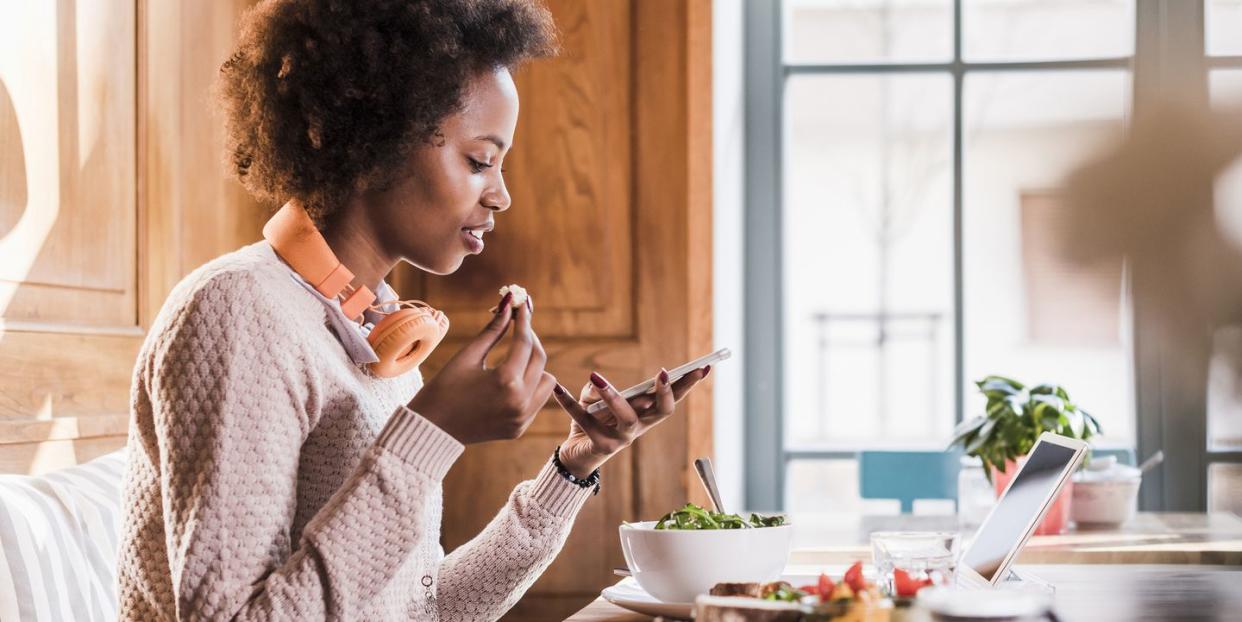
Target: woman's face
(436,212)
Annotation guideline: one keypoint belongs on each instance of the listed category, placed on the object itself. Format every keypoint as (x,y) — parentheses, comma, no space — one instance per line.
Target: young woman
(281,464)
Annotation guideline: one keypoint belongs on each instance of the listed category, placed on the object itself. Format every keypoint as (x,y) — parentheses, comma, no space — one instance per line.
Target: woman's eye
(478,166)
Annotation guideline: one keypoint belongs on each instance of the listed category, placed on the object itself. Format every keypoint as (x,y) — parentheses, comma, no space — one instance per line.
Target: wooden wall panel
(68,245)
(193,210)
(111,189)
(67,238)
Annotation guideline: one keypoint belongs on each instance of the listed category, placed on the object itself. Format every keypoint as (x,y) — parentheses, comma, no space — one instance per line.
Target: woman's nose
(497,198)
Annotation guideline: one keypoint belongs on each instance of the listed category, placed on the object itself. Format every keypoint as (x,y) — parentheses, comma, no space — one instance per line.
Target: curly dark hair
(325,98)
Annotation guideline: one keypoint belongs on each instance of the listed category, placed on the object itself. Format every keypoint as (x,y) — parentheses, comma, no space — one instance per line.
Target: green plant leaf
(968,426)
(984,436)
(998,386)
(1093,422)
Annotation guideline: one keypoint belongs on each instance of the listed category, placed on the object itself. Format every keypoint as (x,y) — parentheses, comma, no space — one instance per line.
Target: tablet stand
(1021,580)
(1014,580)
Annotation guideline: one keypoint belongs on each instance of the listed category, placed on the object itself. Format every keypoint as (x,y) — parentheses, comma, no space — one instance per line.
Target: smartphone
(673,376)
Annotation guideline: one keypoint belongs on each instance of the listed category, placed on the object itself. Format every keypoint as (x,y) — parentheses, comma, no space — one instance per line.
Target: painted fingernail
(663,376)
(707,370)
(530,303)
(504,302)
(598,380)
(559,390)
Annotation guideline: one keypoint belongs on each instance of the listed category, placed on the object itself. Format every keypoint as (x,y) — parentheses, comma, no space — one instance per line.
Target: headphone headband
(402,340)
(293,235)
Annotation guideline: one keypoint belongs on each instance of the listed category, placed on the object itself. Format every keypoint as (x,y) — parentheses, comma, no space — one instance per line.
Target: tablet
(1013,519)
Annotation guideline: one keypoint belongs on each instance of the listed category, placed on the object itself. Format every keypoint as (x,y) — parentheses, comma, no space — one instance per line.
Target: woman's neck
(355,242)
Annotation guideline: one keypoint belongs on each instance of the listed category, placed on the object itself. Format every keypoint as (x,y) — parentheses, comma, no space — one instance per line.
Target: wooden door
(610,232)
(110,191)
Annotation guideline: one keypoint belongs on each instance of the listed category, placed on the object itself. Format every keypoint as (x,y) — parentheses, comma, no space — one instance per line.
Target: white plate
(627,594)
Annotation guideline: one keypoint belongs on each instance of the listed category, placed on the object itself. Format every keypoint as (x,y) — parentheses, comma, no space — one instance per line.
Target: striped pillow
(58,542)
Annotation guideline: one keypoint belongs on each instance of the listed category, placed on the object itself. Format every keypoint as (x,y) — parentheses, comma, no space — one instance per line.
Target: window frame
(1169,56)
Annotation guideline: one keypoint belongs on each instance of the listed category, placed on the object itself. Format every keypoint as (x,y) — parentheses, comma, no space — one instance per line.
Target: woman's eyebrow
(495,140)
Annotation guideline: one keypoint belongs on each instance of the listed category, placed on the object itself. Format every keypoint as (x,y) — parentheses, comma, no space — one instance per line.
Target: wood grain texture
(1152,538)
(111,189)
(64,375)
(68,243)
(674,228)
(191,209)
(67,221)
(48,456)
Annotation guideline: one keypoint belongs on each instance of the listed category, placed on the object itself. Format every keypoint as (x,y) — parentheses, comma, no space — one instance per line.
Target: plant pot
(1057,520)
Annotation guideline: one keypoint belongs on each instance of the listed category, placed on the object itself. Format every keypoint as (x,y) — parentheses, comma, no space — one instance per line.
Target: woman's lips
(473,239)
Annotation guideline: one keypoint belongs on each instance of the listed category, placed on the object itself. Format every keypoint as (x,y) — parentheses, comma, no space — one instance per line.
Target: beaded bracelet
(587,482)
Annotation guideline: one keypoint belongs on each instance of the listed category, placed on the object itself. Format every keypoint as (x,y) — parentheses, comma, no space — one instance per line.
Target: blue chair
(1124,456)
(908,475)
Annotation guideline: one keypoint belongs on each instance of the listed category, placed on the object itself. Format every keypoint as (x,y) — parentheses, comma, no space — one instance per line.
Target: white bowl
(1105,503)
(676,565)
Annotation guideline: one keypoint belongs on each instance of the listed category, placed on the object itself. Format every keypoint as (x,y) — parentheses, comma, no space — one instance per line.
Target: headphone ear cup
(405,339)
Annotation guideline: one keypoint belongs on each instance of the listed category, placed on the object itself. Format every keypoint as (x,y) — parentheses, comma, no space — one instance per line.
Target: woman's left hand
(594,438)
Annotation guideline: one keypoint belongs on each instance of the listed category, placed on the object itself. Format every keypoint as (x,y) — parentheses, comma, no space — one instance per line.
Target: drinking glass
(922,555)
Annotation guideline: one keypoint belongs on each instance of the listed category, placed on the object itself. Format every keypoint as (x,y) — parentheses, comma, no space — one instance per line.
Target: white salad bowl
(676,565)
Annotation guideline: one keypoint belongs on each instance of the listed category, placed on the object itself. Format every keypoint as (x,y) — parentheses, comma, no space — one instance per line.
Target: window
(914,150)
(1223,45)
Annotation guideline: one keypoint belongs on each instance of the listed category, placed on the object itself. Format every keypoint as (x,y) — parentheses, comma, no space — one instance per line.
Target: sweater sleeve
(230,417)
(486,576)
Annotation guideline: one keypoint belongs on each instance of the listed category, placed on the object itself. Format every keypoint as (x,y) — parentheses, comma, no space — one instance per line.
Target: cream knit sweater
(270,478)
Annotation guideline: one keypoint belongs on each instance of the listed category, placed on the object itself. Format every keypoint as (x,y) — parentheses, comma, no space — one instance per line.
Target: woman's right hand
(475,403)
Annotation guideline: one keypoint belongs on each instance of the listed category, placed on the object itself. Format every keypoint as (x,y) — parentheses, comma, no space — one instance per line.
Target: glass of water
(925,556)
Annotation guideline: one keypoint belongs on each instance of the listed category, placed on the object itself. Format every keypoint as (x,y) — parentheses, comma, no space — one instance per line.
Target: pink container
(1057,520)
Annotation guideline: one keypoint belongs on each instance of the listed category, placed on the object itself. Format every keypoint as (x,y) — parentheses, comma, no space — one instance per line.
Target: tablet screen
(1006,525)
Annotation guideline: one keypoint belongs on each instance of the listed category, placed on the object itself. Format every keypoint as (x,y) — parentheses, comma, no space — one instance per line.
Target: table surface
(1151,538)
(1139,562)
(1095,593)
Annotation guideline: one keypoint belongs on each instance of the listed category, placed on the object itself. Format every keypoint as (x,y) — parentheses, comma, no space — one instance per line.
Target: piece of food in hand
(692,516)
(519,294)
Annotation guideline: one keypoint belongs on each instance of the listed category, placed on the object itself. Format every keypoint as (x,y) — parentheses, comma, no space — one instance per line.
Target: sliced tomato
(902,583)
(825,586)
(906,586)
(810,589)
(854,578)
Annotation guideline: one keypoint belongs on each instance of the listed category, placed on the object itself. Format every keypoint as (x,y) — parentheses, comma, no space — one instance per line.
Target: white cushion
(58,542)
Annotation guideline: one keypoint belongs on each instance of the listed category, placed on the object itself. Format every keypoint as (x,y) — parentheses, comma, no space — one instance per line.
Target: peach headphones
(402,340)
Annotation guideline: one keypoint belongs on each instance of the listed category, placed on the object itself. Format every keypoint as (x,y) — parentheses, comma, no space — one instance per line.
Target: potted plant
(1014,418)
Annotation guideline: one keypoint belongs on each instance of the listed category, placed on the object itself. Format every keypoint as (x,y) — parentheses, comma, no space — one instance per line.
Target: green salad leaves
(694,517)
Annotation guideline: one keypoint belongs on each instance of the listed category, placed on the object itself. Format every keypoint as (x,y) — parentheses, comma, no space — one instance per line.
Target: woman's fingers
(538,360)
(544,386)
(513,368)
(687,382)
(491,334)
(574,408)
(621,409)
(664,398)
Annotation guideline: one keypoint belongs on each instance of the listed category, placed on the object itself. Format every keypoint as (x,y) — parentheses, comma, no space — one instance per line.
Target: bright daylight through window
(873,98)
